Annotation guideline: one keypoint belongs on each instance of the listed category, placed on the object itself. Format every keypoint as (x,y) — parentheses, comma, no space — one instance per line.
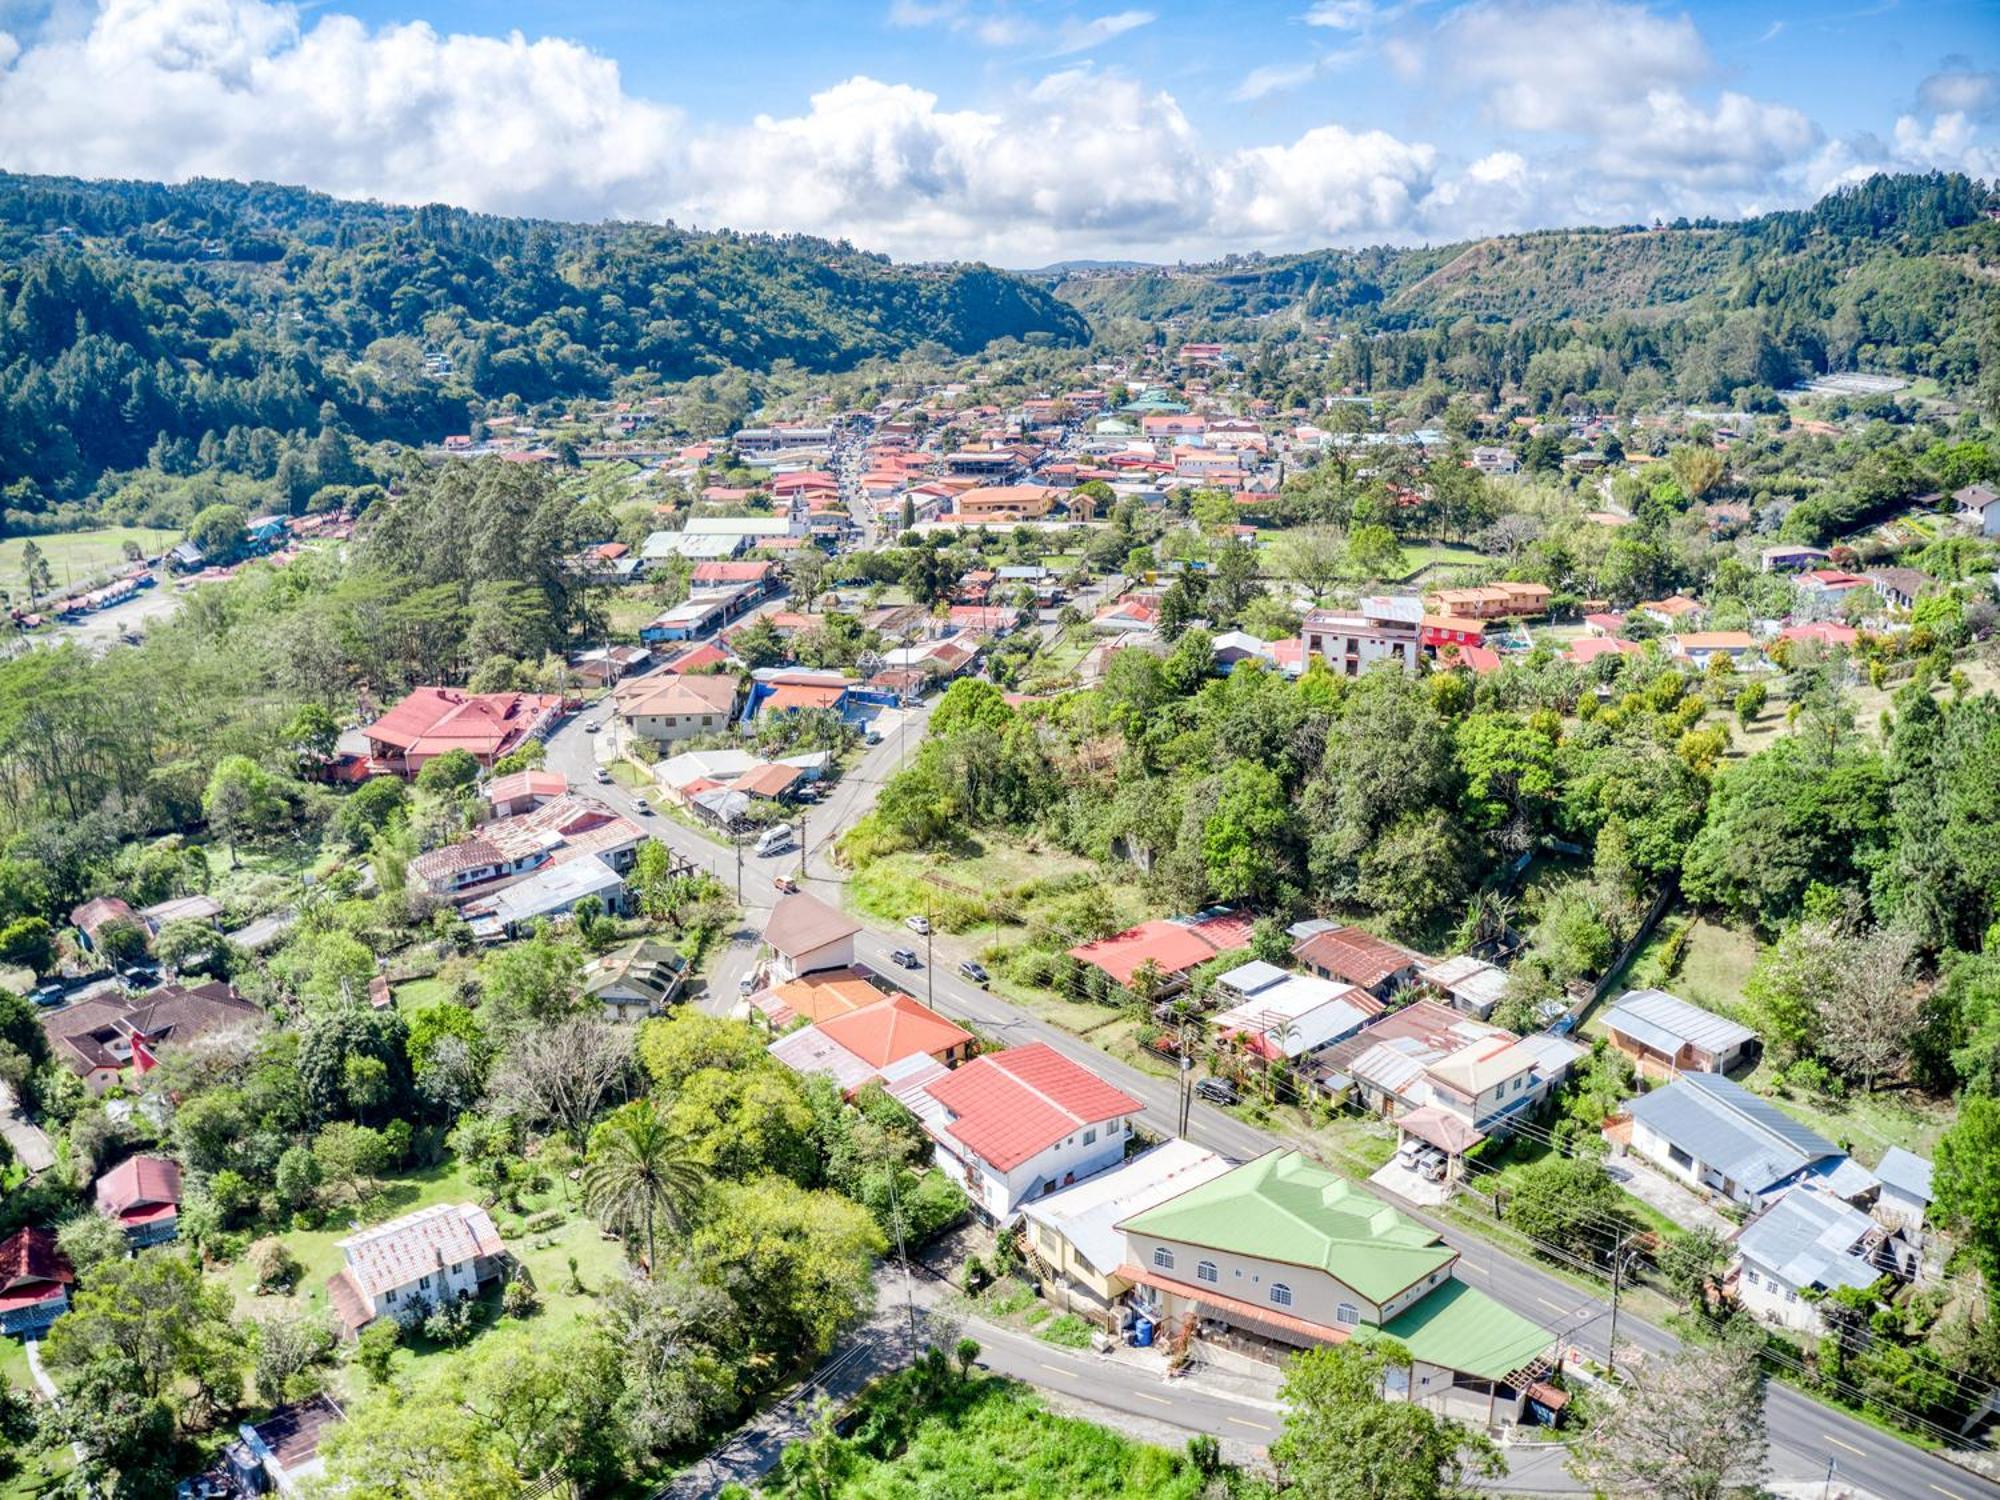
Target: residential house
(1468,984)
(1018,1124)
(1827,634)
(1979,504)
(554,890)
(1280,1016)
(1790,557)
(1075,1248)
(1429,1055)
(636,979)
(816,997)
(199,907)
(432,721)
(1357,957)
(1715,1135)
(1699,647)
(1900,588)
(805,935)
(35,1278)
(1133,614)
(521,792)
(1664,1034)
(101,1039)
(1172,947)
(700,615)
(1676,612)
(505,851)
(663,709)
(142,1195)
(1002,503)
(1493,601)
(1805,1245)
(1291,1255)
(1495,461)
(100,912)
(1905,1199)
(1824,592)
(874,1042)
(1382,629)
(406,1267)
(282,1451)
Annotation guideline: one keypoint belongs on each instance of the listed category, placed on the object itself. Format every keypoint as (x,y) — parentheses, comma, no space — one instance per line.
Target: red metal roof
(29,1256)
(1173,948)
(139,1184)
(1011,1106)
(897,1028)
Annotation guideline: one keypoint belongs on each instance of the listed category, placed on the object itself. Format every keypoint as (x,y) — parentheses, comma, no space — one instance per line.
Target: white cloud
(1562,66)
(1959,88)
(1080,36)
(1274,78)
(9,48)
(1341,15)
(240,88)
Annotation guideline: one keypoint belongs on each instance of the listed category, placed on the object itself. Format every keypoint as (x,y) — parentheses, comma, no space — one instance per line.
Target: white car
(921,926)
(601,776)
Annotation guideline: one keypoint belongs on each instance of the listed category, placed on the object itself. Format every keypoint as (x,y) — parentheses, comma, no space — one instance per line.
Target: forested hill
(1922,243)
(129,310)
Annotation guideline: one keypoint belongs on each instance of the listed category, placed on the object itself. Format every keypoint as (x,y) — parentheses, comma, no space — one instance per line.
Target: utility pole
(930,964)
(736,843)
(1617,1279)
(1826,1489)
(909,1290)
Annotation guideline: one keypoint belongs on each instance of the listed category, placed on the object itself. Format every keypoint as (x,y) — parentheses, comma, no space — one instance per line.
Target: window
(1679,1157)
(390,1297)
(1090,1135)
(1206,1272)
(1163,1257)
(1750,1276)
(1281,1295)
(1347,1312)
(423,1283)
(1790,1295)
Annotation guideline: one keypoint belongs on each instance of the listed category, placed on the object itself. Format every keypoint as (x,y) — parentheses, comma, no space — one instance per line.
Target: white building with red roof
(407,1266)
(1011,1126)
(432,721)
(142,1194)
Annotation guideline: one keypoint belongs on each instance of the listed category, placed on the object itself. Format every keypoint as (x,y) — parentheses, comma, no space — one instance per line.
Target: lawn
(1866,1124)
(545,1255)
(1715,964)
(413,994)
(78,556)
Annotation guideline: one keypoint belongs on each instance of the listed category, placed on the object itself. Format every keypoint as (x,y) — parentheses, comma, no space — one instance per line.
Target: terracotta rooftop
(1011,1106)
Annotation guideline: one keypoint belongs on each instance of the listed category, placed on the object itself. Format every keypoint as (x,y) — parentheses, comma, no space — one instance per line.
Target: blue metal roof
(1906,1172)
(1723,1125)
(1808,1239)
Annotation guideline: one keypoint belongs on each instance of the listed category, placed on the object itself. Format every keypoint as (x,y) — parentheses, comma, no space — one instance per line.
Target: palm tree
(639,1174)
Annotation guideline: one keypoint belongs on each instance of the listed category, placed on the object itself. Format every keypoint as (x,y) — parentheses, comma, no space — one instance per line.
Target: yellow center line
(1245,1422)
(1556,1305)
(1839,1444)
(1156,1400)
(1953,1494)
(1058,1370)
(1465,1266)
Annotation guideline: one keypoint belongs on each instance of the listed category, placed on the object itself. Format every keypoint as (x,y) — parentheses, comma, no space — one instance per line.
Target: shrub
(548,1218)
(520,1299)
(273,1265)
(450,1323)
(376,1349)
(1070,1331)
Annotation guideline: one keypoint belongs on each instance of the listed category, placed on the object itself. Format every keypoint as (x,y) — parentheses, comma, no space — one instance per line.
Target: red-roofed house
(1359,958)
(100,912)
(899,1028)
(143,1194)
(1021,1123)
(1172,947)
(34,1281)
(432,721)
(1825,632)
(523,791)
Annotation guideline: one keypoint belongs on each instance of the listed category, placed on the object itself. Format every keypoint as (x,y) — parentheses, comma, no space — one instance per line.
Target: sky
(1018,132)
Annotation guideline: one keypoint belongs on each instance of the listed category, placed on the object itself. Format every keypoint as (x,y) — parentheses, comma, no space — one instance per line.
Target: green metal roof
(1461,1328)
(1283,1207)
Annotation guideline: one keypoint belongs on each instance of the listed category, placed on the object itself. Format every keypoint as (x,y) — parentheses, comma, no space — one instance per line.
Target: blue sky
(1018,131)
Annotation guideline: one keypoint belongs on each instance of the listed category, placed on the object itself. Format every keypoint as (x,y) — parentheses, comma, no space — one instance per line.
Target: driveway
(1658,1191)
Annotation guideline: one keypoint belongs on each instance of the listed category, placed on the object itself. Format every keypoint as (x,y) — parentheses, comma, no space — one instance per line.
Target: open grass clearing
(78,556)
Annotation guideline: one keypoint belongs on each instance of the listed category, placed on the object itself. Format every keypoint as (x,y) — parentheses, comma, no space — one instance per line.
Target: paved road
(1803,1433)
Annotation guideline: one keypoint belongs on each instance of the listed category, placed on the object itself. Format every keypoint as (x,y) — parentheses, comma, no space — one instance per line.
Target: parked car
(921,926)
(903,958)
(774,841)
(47,994)
(786,884)
(601,776)
(645,808)
(872,737)
(592,727)
(974,971)
(1217,1090)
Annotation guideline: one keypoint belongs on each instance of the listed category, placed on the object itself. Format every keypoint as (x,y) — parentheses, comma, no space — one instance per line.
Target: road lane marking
(1953,1494)
(1156,1400)
(1246,1422)
(1556,1305)
(1057,1369)
(1468,1266)
(1839,1444)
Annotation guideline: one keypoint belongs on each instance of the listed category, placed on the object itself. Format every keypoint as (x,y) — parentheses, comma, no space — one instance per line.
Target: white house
(407,1266)
(1012,1126)
(806,935)
(1715,1135)
(1806,1244)
(1905,1198)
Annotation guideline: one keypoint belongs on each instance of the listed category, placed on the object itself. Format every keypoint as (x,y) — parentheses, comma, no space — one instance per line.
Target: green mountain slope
(132,310)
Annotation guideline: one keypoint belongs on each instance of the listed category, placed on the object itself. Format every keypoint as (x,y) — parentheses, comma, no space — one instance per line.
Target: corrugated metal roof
(1808,1239)
(1725,1126)
(1701,1028)
(1906,1172)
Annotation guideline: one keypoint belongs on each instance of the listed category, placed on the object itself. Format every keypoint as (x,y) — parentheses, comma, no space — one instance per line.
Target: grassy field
(1866,1124)
(75,556)
(545,1255)
(1713,970)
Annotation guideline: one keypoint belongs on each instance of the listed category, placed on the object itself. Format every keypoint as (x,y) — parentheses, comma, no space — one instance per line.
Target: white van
(775,840)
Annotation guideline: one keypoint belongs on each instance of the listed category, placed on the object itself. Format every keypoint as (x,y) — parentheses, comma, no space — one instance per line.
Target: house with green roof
(1287,1254)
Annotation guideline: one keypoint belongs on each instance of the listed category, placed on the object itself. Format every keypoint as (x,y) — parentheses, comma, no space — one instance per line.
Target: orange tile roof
(893,1029)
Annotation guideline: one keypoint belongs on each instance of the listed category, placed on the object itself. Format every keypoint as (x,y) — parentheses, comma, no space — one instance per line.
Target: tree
(1374,552)
(155,1321)
(312,733)
(1242,841)
(639,1175)
(448,774)
(219,530)
(1569,1203)
(1966,1184)
(350,1155)
(562,1076)
(427,1448)
(243,802)
(532,981)
(1693,1429)
(1343,1440)
(800,1263)
(91,1239)
(1315,557)
(1845,996)
(35,572)
(1696,469)
(290,1347)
